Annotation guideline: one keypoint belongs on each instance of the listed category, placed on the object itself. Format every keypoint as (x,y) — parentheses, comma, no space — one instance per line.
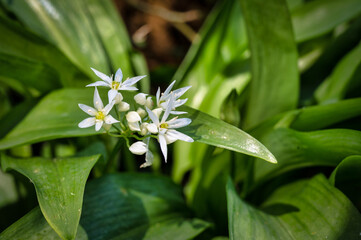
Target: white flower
(165,129)
(164,98)
(138,148)
(141,98)
(148,155)
(123,106)
(99,114)
(149,103)
(116,84)
(133,119)
(143,128)
(142,113)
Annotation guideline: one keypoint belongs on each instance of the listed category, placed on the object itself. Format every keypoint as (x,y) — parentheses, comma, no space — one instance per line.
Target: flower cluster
(144,122)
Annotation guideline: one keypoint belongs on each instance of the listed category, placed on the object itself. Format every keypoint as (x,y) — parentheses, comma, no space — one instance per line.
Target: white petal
(179,102)
(98,104)
(152,116)
(177,112)
(157,96)
(152,128)
(179,92)
(89,110)
(132,81)
(107,108)
(140,98)
(163,145)
(134,126)
(178,123)
(138,148)
(112,94)
(118,76)
(167,91)
(123,107)
(88,122)
(128,88)
(168,109)
(118,98)
(157,112)
(169,138)
(133,116)
(148,159)
(175,134)
(110,120)
(143,128)
(142,113)
(102,76)
(98,125)
(98,84)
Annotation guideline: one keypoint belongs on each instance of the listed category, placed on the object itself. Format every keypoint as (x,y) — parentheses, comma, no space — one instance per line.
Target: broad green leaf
(137,206)
(30,73)
(295,149)
(347,178)
(314,117)
(308,209)
(335,86)
(58,115)
(321,16)
(22,43)
(274,85)
(33,226)
(59,185)
(67,25)
(215,65)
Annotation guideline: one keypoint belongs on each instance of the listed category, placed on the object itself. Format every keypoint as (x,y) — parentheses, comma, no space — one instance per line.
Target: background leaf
(137,206)
(292,211)
(274,85)
(59,185)
(33,226)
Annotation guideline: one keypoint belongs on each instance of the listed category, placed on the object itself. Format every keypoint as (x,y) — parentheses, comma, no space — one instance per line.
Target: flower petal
(134,126)
(167,91)
(98,104)
(178,123)
(179,92)
(98,84)
(112,94)
(152,128)
(133,80)
(108,107)
(102,76)
(140,98)
(98,125)
(168,109)
(110,120)
(118,76)
(88,122)
(175,134)
(179,102)
(177,112)
(163,145)
(89,110)
(138,148)
(157,96)
(133,116)
(152,116)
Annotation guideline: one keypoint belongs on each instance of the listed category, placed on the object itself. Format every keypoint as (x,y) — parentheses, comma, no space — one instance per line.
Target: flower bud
(143,128)
(157,111)
(149,103)
(118,98)
(123,107)
(133,116)
(152,128)
(142,113)
(138,148)
(140,98)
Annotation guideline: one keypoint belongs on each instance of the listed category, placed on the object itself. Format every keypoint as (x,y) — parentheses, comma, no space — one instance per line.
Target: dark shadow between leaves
(279,209)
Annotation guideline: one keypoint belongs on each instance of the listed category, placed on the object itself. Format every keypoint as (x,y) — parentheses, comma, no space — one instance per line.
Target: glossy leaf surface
(59,185)
(308,209)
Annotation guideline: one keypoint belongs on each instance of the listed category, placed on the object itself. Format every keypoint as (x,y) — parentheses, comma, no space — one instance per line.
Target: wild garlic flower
(99,114)
(164,98)
(138,148)
(133,119)
(166,129)
(116,84)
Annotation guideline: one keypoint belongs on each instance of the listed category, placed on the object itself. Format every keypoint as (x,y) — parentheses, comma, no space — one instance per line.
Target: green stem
(112,158)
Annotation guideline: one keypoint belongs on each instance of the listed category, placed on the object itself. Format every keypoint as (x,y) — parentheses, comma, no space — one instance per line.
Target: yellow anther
(115,85)
(164,125)
(100,115)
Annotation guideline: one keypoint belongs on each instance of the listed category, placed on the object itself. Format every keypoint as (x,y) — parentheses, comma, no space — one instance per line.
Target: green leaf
(25,44)
(30,73)
(336,85)
(33,226)
(67,25)
(347,178)
(309,209)
(59,185)
(295,149)
(274,85)
(137,206)
(321,16)
(57,116)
